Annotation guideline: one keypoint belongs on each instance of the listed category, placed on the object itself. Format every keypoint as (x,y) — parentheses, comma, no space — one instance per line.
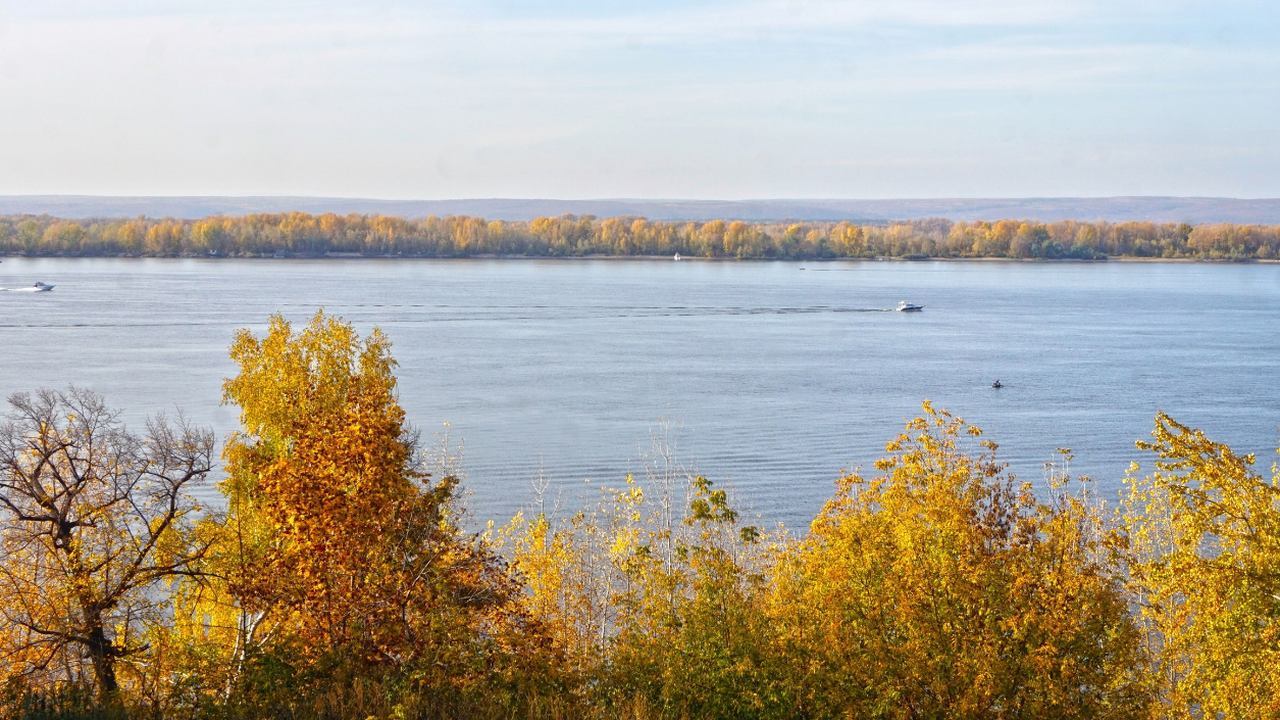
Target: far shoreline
(662,258)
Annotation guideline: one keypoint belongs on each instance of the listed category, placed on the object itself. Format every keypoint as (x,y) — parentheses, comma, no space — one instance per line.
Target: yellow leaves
(939,587)
(335,542)
(307,235)
(1202,538)
(94,522)
(943,573)
(623,544)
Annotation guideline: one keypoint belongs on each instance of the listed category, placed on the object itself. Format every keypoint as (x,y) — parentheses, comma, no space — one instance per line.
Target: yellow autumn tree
(337,546)
(692,639)
(1204,544)
(651,599)
(575,573)
(943,588)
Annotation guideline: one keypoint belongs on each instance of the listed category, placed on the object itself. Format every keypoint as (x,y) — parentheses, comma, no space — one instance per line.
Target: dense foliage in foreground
(303,235)
(341,582)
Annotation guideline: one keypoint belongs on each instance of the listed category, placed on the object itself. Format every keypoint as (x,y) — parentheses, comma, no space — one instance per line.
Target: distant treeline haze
(300,234)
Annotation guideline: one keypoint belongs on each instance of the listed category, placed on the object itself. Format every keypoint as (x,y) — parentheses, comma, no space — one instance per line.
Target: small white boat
(677,257)
(38,287)
(905,306)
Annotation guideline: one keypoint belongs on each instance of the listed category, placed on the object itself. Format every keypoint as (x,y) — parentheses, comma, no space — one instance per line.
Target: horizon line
(475,198)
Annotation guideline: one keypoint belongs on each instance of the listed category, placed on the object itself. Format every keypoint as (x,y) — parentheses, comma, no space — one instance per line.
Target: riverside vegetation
(339,578)
(303,235)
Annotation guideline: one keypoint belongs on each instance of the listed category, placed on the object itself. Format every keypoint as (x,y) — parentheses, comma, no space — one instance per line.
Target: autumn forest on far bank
(340,577)
(304,235)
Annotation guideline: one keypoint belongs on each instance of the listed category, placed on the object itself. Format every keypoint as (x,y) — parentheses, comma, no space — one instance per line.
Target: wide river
(768,377)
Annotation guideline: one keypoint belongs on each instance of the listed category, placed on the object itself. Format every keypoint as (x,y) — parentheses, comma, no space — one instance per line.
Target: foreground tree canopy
(303,235)
(339,579)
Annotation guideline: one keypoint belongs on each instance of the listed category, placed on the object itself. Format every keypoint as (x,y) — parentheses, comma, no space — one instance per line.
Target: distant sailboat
(677,257)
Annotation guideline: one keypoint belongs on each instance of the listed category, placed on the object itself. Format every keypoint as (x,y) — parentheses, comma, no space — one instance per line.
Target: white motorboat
(905,306)
(38,287)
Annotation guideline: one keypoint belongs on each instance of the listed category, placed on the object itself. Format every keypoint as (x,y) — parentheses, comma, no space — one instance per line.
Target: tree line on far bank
(338,578)
(304,235)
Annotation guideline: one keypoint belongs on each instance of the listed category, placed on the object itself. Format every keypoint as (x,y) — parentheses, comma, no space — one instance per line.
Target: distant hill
(1114,209)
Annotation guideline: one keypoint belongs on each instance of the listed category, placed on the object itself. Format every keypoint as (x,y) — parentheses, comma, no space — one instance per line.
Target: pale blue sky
(656,99)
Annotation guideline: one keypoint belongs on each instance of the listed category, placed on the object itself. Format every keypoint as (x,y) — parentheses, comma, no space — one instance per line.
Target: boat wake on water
(38,287)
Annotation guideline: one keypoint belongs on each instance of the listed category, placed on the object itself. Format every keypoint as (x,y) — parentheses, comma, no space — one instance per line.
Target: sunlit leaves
(94,520)
(937,587)
(300,234)
(337,545)
(1204,550)
(942,588)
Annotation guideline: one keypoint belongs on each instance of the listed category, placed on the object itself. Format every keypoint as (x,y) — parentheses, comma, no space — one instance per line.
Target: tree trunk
(102,654)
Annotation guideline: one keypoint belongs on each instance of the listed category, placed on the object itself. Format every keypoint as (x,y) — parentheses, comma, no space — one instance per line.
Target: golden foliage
(650,596)
(336,543)
(1204,553)
(941,588)
(341,581)
(303,235)
(93,521)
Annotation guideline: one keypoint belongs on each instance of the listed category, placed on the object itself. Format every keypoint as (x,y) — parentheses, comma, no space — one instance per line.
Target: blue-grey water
(772,377)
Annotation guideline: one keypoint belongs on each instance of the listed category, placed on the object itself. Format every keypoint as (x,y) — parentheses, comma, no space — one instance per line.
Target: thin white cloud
(701,25)
(731,99)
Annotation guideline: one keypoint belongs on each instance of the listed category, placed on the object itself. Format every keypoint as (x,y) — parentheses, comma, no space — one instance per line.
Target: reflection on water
(772,380)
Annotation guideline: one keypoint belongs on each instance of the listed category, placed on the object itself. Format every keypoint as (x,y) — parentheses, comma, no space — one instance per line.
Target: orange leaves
(337,543)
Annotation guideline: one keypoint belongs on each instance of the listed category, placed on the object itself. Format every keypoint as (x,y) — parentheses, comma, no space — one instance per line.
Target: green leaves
(709,505)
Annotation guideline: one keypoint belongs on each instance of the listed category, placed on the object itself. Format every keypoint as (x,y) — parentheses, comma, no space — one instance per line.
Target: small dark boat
(997,385)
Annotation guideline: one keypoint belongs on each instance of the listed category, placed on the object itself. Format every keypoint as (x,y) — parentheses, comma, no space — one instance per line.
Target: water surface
(769,377)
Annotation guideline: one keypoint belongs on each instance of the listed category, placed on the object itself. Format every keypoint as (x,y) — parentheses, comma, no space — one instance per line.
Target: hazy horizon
(1116,209)
(700,100)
